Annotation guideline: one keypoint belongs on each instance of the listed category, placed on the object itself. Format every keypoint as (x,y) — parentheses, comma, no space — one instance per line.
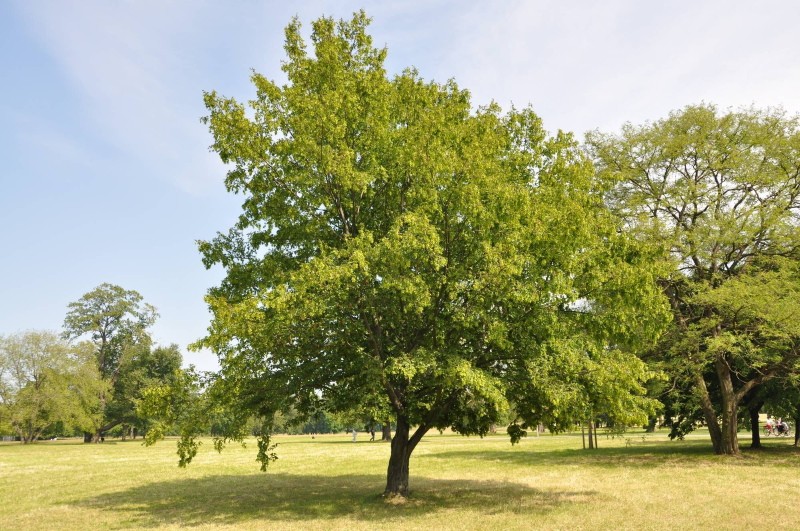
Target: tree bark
(402,446)
(29,435)
(708,412)
(590,428)
(755,428)
(387,432)
(729,443)
(797,425)
(99,432)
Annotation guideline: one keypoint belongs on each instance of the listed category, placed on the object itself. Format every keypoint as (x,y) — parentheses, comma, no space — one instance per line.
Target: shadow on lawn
(650,454)
(272,498)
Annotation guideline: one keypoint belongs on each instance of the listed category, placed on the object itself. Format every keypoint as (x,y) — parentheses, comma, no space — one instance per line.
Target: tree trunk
(708,412)
(583,436)
(755,428)
(590,428)
(797,425)
(729,444)
(402,446)
(97,436)
(28,435)
(397,473)
(387,432)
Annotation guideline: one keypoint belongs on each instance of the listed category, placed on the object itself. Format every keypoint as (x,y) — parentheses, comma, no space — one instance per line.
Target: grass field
(545,482)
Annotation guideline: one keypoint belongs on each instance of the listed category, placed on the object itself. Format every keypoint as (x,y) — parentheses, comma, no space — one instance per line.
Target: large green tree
(400,249)
(43,381)
(116,320)
(721,193)
(142,366)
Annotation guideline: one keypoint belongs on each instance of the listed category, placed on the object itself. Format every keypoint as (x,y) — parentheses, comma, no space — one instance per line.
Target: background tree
(720,193)
(141,367)
(116,321)
(45,381)
(397,243)
(583,382)
(779,398)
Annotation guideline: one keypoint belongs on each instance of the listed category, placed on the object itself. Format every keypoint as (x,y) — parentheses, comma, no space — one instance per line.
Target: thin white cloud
(126,64)
(584,64)
(596,64)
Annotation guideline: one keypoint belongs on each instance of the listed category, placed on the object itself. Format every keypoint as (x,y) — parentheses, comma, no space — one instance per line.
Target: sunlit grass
(329,482)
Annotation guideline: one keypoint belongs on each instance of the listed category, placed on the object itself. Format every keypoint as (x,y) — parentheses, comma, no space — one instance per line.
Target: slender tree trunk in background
(797,425)
(387,432)
(729,444)
(755,428)
(590,429)
(583,436)
(25,435)
(99,433)
(33,434)
(708,412)
(95,437)
(595,437)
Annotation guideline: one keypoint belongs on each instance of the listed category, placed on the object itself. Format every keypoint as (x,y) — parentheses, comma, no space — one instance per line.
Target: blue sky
(106,174)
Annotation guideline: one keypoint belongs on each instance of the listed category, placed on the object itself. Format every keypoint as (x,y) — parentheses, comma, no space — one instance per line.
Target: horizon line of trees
(88,379)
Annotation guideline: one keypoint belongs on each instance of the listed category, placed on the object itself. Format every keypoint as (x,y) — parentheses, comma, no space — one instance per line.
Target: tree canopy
(398,247)
(113,318)
(116,320)
(721,193)
(43,381)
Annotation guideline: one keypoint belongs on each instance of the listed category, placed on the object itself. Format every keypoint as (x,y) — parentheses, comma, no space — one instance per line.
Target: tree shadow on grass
(274,498)
(650,454)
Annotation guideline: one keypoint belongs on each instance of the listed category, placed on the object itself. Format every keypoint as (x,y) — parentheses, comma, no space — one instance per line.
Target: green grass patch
(329,482)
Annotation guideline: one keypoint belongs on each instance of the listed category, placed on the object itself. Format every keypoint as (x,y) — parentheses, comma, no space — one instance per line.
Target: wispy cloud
(596,64)
(126,64)
(140,66)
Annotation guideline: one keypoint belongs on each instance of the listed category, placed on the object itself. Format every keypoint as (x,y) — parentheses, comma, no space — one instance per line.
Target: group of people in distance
(776,427)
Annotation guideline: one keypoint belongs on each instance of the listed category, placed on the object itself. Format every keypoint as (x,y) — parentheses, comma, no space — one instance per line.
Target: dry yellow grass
(460,483)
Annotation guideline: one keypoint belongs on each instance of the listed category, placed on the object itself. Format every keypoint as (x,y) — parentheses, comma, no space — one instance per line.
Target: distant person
(371,433)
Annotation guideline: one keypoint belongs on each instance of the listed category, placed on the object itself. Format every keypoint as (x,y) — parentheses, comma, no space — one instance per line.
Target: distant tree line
(88,379)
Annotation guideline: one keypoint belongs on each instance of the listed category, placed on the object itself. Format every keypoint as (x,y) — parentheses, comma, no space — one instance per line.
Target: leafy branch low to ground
(639,481)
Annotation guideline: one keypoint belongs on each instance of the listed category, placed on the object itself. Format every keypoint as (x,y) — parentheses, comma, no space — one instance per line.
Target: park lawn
(547,482)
